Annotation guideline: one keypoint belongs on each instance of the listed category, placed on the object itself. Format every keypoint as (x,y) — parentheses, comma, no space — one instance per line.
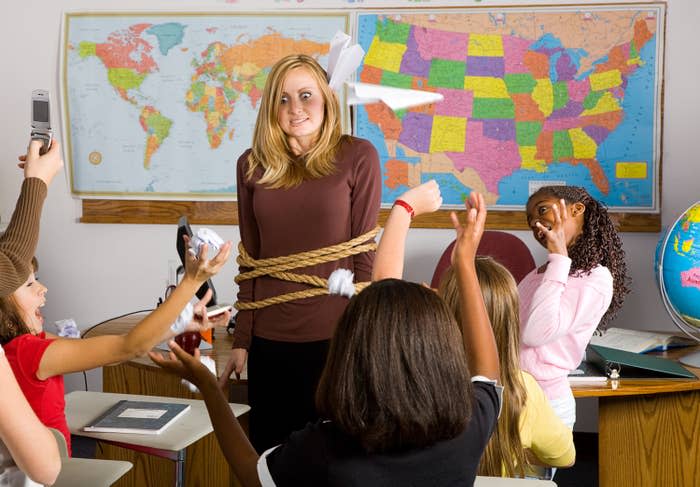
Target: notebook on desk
(630,365)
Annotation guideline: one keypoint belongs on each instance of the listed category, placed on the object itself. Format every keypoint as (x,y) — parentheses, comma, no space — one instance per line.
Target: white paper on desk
(343,59)
(395,98)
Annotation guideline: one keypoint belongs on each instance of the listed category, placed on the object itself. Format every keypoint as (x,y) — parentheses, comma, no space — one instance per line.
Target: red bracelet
(406,206)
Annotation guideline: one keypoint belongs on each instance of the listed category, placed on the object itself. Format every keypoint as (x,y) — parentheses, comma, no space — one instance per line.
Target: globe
(677,265)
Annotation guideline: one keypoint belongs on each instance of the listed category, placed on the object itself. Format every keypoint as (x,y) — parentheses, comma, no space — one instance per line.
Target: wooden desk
(648,429)
(205,464)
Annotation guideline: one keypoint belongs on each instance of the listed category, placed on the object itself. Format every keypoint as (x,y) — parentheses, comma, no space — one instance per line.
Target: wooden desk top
(119,326)
(636,387)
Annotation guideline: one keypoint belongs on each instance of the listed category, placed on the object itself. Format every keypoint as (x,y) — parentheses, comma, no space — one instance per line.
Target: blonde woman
(302,186)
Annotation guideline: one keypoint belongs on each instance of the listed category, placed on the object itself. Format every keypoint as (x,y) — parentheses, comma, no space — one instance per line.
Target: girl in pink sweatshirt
(580,287)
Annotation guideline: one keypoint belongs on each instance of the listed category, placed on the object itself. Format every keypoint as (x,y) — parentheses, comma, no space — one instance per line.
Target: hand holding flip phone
(41,119)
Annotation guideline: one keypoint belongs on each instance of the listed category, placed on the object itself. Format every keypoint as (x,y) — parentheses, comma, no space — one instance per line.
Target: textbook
(138,417)
(629,365)
(587,373)
(638,341)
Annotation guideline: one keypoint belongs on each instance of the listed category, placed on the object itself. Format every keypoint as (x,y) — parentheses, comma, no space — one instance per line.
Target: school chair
(504,247)
(86,471)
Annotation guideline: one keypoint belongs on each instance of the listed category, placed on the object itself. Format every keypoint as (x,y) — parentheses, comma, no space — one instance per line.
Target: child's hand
(198,267)
(469,234)
(424,198)
(201,322)
(555,237)
(183,364)
(44,167)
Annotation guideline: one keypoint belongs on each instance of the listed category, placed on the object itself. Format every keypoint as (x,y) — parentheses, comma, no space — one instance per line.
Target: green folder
(631,365)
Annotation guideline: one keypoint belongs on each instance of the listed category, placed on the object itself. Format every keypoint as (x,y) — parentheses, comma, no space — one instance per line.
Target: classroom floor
(584,473)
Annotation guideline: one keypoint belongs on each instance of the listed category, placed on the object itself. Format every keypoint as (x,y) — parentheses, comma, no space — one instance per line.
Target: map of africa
(163,105)
(532,96)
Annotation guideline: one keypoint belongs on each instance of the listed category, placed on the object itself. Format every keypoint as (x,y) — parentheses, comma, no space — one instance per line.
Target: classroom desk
(204,462)
(82,407)
(648,429)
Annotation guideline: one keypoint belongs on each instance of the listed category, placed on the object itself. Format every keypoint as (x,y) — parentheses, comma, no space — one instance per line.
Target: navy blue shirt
(322,455)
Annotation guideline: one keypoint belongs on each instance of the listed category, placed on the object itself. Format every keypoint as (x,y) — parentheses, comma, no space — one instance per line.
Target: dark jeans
(282,381)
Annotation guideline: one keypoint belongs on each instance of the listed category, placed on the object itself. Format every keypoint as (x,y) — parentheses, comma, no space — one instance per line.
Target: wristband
(406,206)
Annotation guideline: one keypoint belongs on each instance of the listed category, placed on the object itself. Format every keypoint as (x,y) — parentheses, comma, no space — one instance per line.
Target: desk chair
(86,471)
(504,247)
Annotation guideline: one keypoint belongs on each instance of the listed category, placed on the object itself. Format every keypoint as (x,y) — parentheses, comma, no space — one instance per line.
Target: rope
(277,267)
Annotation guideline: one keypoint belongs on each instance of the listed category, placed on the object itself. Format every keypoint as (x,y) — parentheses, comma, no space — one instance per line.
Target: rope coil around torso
(278,268)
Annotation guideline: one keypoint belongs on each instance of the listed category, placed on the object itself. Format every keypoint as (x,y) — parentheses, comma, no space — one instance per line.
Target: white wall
(95,272)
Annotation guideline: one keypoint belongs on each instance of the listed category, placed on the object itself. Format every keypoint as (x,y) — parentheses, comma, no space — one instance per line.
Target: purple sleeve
(250,239)
(366,196)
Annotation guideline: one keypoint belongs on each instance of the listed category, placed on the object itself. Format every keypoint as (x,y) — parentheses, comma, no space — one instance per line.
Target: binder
(628,365)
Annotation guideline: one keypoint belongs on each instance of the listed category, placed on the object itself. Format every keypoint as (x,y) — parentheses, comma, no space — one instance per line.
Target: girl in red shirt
(39,359)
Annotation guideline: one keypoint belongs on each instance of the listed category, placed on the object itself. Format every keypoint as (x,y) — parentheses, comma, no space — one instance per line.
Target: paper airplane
(395,98)
(343,59)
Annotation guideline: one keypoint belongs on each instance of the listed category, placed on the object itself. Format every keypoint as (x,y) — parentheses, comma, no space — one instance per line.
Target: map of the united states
(527,97)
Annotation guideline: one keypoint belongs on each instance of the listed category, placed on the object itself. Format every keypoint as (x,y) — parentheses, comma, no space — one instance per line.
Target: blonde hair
(271,151)
(504,454)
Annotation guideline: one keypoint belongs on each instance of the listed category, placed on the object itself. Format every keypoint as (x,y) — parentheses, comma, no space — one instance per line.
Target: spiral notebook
(138,417)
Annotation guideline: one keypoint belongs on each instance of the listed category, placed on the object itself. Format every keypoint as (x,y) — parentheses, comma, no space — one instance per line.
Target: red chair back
(504,247)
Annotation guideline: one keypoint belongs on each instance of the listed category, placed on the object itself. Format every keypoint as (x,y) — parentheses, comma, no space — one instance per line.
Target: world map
(532,96)
(163,105)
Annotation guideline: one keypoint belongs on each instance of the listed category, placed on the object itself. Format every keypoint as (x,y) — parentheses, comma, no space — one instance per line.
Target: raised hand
(424,198)
(183,364)
(555,238)
(44,167)
(468,235)
(199,267)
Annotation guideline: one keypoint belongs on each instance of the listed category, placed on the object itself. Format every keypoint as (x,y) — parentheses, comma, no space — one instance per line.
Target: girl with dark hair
(528,433)
(580,287)
(406,399)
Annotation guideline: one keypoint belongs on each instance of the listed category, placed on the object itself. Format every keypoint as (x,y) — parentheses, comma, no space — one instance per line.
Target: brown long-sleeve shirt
(315,214)
(18,243)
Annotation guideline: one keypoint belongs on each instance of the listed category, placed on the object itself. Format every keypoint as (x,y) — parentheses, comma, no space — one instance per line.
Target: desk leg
(180,469)
(649,440)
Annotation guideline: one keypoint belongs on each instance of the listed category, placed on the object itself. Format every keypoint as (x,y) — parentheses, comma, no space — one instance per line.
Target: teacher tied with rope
(308,201)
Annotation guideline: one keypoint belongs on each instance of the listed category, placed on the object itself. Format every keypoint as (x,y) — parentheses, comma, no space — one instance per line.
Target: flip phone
(41,119)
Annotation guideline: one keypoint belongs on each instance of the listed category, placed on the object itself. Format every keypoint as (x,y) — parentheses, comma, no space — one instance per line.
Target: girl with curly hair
(580,287)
